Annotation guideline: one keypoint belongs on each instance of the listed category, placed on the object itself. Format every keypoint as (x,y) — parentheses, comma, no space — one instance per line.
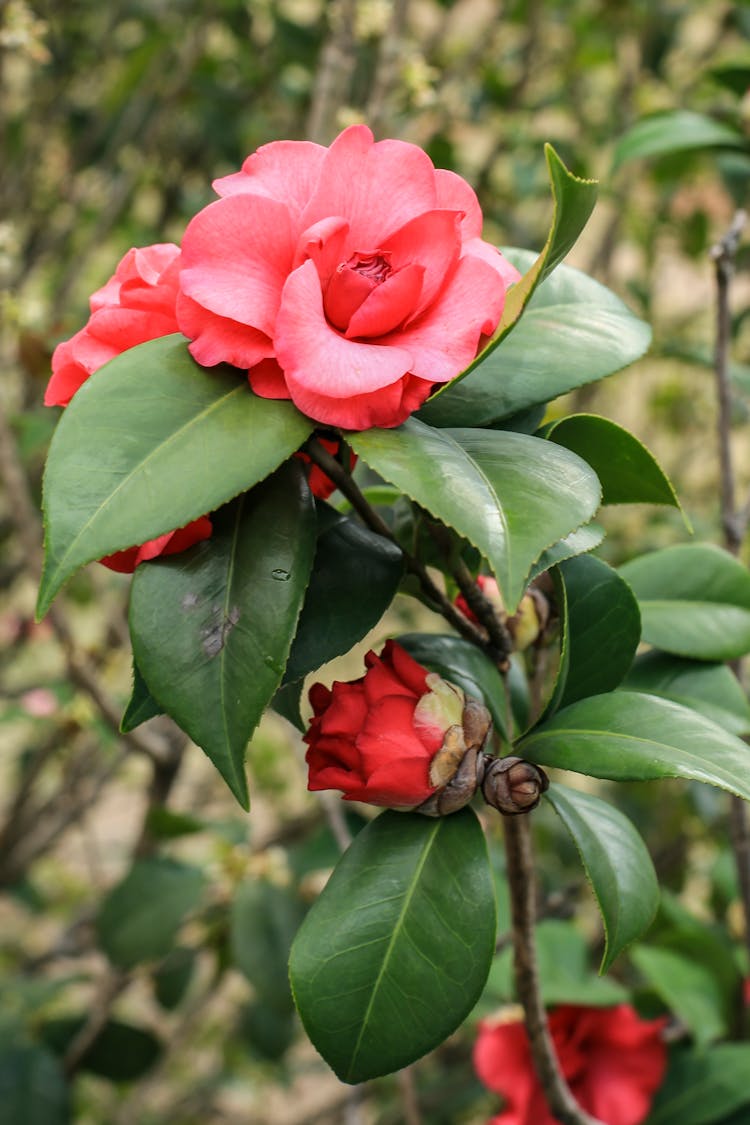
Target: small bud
(530,619)
(513,786)
(458,765)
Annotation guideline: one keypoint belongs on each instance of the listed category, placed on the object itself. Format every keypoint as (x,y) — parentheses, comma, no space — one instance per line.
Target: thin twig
(734,522)
(523,910)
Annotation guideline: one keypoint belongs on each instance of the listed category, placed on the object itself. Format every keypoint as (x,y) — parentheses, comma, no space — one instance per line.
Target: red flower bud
(395,737)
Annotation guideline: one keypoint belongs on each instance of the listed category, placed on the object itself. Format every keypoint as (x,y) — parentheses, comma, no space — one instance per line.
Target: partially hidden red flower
(320,483)
(376,738)
(350,279)
(489,587)
(137,304)
(613,1061)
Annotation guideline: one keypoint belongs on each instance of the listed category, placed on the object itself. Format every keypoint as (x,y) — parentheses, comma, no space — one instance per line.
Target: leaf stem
(523,910)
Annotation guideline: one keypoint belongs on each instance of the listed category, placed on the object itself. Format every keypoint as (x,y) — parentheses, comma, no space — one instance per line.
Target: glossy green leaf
(687,988)
(121,1052)
(601,628)
(463,664)
(33,1090)
(580,542)
(150,442)
(212,627)
(627,736)
(675,131)
(701,1086)
(354,579)
(694,599)
(565,974)
(573,201)
(711,689)
(394,953)
(141,915)
(264,920)
(617,865)
(141,706)
(509,494)
(574,332)
(628,471)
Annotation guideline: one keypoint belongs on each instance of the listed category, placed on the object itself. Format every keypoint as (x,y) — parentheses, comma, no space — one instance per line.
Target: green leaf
(626,736)
(573,201)
(141,915)
(674,131)
(142,705)
(212,627)
(564,972)
(617,865)
(120,1052)
(32,1087)
(463,664)
(694,599)
(573,332)
(629,473)
(267,1032)
(509,494)
(150,442)
(601,629)
(701,1087)
(354,579)
(688,988)
(711,689)
(394,953)
(172,978)
(264,919)
(587,538)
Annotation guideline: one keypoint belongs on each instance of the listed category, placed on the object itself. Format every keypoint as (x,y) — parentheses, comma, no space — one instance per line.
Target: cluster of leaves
(286,584)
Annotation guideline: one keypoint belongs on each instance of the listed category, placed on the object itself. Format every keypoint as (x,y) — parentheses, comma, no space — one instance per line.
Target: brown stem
(734,522)
(523,911)
(348,487)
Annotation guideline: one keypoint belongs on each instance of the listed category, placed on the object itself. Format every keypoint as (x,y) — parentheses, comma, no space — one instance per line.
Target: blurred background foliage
(144,920)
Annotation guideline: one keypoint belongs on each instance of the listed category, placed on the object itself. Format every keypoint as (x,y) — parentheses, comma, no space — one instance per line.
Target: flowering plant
(336,313)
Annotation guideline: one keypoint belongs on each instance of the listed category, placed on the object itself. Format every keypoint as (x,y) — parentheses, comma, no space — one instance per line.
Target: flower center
(352,283)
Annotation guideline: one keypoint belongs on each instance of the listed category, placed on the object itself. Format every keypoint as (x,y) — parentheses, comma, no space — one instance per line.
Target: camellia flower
(137,304)
(393,737)
(613,1061)
(350,279)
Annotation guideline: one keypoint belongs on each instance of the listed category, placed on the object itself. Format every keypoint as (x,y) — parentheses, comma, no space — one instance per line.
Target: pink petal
(236,255)
(455,194)
(316,358)
(323,242)
(267,380)
(376,187)
(72,362)
(219,340)
(434,241)
(445,338)
(477,248)
(287,171)
(389,304)
(390,406)
(123,328)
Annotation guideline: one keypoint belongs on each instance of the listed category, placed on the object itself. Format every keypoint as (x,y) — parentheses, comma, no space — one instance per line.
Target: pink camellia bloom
(137,304)
(377,739)
(350,279)
(613,1061)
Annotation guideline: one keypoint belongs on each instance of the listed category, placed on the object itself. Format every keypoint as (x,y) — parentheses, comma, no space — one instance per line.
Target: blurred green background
(115,118)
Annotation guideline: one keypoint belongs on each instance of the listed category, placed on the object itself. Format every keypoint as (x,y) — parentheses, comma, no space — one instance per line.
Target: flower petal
(236,255)
(376,187)
(283,170)
(216,339)
(455,194)
(389,304)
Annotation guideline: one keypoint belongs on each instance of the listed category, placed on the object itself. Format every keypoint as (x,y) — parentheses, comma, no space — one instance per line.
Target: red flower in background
(375,739)
(613,1061)
(350,279)
(137,304)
